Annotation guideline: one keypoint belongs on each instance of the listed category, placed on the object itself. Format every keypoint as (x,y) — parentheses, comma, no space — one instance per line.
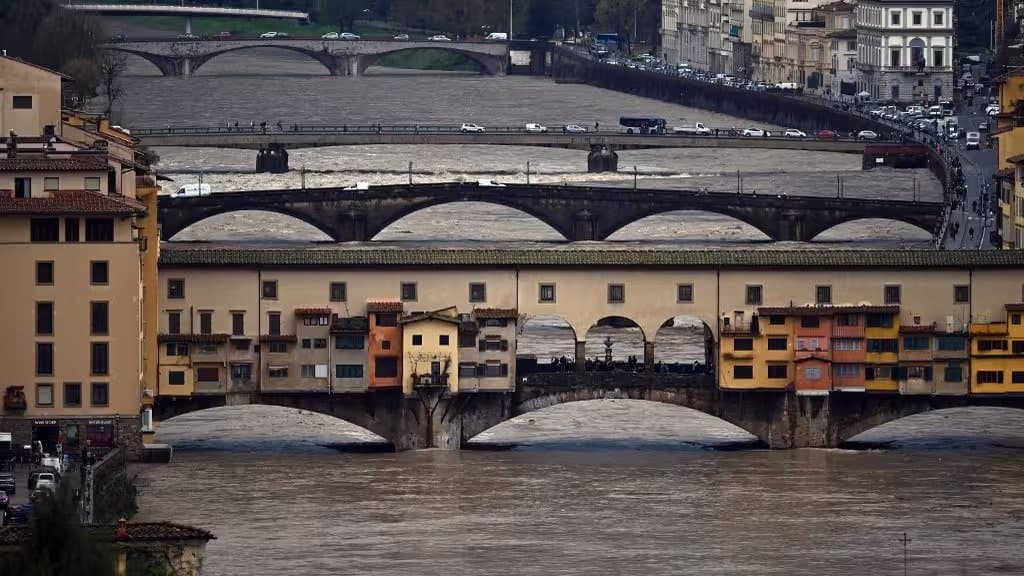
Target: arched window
(917,52)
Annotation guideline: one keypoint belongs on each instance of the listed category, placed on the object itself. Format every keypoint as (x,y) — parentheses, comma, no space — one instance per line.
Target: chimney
(12,145)
(122,529)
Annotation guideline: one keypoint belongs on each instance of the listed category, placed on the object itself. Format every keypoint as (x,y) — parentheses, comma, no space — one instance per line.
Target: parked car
(698,129)
(532,127)
(402,38)
(223,36)
(188,36)
(867,135)
(5,500)
(349,36)
(271,35)
(439,38)
(330,36)
(794,133)
(973,141)
(827,135)
(574,129)
(754,132)
(470,127)
(118,38)
(983,126)
(7,483)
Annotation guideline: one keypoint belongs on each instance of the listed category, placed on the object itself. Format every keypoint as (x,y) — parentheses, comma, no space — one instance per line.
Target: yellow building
(881,341)
(70,239)
(997,354)
(1008,135)
(757,354)
(430,350)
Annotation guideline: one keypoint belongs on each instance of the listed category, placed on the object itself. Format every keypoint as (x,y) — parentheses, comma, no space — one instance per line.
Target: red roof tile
(826,310)
(495,313)
(54,164)
(1015,307)
(70,202)
(313,311)
(384,306)
(193,338)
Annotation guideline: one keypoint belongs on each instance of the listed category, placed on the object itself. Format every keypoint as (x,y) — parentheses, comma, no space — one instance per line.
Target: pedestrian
(716,132)
(597,126)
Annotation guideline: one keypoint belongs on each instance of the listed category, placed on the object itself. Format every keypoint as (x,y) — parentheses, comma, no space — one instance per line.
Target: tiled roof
(350,325)
(495,313)
(41,164)
(917,329)
(384,306)
(194,338)
(36,66)
(421,316)
(70,202)
(172,255)
(1015,307)
(313,311)
(139,532)
(825,310)
(1016,159)
(848,33)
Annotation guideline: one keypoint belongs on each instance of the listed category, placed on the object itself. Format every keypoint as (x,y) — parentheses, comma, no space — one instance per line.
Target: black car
(7,483)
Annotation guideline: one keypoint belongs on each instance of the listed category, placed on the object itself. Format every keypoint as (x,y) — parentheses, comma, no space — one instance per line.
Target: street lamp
(510,20)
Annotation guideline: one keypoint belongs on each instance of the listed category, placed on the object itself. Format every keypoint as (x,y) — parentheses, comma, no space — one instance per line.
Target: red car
(827,135)
(223,36)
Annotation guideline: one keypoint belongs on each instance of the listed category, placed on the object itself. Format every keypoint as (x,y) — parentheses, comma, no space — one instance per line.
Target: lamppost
(510,20)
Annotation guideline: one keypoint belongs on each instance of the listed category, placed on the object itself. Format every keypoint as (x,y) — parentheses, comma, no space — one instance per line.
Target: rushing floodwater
(611,487)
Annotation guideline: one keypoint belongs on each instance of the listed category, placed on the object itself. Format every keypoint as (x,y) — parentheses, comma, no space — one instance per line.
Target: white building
(692,34)
(905,49)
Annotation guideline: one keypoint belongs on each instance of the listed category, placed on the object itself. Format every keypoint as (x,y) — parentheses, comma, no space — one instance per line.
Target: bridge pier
(584,227)
(273,159)
(602,159)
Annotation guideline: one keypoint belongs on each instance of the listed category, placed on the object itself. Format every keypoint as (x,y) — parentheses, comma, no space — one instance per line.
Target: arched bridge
(184,57)
(312,136)
(779,419)
(576,212)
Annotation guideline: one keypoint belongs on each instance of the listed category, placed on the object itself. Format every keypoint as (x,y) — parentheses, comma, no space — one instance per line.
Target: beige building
(430,345)
(72,234)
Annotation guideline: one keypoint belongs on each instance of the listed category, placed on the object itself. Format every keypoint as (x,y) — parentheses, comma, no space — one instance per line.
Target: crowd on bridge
(632,364)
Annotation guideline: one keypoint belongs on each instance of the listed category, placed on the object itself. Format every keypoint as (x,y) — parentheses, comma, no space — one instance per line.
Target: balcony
(430,380)
(739,328)
(917,70)
(14,398)
(993,329)
(847,331)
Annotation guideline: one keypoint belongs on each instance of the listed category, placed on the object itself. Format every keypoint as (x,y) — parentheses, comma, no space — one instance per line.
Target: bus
(609,39)
(643,124)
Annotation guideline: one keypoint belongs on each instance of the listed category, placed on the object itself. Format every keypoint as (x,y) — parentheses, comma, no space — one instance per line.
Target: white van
(497,36)
(192,190)
(787,86)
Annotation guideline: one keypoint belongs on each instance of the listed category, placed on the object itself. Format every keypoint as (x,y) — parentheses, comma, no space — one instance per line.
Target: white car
(794,133)
(328,36)
(973,141)
(574,129)
(439,38)
(470,127)
(46,481)
(402,38)
(992,109)
(267,35)
(867,135)
(532,127)
(755,132)
(348,36)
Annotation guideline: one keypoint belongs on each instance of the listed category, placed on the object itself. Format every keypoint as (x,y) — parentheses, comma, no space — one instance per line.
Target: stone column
(648,356)
(581,357)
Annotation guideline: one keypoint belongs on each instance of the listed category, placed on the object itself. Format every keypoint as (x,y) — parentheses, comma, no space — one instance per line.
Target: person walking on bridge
(597,126)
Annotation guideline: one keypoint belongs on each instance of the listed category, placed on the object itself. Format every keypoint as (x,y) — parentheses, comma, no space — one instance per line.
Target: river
(609,487)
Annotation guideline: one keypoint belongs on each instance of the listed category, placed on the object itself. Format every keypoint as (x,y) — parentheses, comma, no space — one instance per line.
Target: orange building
(385,346)
(812,332)
(848,351)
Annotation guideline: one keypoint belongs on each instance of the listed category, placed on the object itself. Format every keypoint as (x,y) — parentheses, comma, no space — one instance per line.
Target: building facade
(905,49)
(75,237)
(1008,135)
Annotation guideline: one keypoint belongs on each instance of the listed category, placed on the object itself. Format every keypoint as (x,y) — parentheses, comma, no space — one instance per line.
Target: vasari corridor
(512,287)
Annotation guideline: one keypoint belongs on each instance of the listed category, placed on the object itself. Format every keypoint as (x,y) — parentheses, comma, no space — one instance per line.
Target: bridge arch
(816,227)
(615,421)
(172,224)
(874,423)
(620,337)
(551,339)
(166,66)
(685,343)
(753,224)
(386,218)
(324,57)
(488,65)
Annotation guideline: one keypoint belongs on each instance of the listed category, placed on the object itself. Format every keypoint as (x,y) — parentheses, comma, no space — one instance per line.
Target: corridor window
(754,296)
(847,320)
(269,290)
(778,371)
(99,229)
(339,291)
(71,230)
(823,295)
(961,294)
(808,344)
(99,273)
(776,320)
(44,273)
(92,184)
(1017,377)
(279,347)
(743,372)
(408,291)
(44,229)
(684,293)
(21,102)
(477,292)
(175,288)
(616,293)
(319,343)
(386,319)
(892,294)
(547,293)
(176,349)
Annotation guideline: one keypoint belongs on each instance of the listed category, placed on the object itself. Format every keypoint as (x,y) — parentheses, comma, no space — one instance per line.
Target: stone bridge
(341,58)
(576,212)
(441,420)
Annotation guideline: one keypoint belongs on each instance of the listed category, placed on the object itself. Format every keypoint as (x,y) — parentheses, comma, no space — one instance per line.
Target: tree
(85,76)
(58,545)
(112,67)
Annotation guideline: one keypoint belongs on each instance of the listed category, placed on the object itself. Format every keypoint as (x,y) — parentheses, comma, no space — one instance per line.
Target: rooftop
(70,202)
(53,164)
(189,255)
(826,310)
(137,532)
(36,66)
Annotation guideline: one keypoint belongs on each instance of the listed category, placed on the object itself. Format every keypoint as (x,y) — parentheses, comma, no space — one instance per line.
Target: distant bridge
(186,11)
(576,212)
(183,57)
(296,136)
